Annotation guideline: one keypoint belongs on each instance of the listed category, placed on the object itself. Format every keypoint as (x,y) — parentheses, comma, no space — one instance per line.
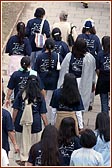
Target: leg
(104,102)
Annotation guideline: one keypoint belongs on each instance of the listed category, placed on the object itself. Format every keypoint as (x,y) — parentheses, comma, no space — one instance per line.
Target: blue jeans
(104,97)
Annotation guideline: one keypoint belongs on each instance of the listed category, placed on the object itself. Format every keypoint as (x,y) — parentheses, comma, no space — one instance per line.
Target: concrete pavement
(98,11)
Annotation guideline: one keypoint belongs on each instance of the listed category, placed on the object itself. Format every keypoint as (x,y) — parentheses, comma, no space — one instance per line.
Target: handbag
(70,39)
(39,37)
(58,63)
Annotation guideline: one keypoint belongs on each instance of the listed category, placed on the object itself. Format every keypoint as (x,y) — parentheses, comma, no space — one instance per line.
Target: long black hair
(90,30)
(66,131)
(103,125)
(49,45)
(79,48)
(32,90)
(39,13)
(25,63)
(21,32)
(106,44)
(69,92)
(50,150)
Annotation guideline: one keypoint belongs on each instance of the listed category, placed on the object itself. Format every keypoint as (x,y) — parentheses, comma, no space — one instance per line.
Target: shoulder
(89,57)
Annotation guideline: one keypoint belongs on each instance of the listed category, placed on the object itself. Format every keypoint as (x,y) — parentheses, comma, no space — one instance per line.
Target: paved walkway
(98,11)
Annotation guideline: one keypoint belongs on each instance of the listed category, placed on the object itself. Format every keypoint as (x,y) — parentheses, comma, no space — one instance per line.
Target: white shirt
(5,160)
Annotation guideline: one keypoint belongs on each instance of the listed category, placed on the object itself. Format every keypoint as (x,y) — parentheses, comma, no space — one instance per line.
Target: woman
(46,152)
(66,102)
(93,46)
(86,156)
(46,66)
(102,131)
(18,79)
(28,109)
(103,72)
(60,46)
(68,140)
(17,47)
(82,65)
(33,27)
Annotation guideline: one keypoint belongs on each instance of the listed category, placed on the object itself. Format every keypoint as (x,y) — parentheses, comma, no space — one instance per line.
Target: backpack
(70,39)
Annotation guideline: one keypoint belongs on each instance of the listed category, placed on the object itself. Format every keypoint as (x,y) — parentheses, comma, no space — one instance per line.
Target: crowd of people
(50,88)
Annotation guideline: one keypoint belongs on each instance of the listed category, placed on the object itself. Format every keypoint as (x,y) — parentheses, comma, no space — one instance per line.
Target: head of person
(39,13)
(88,138)
(70,93)
(79,48)
(49,143)
(21,31)
(25,63)
(102,124)
(63,16)
(106,44)
(66,131)
(89,26)
(32,90)
(56,34)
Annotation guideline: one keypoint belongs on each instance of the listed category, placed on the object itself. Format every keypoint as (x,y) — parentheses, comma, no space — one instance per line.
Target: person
(5,160)
(33,27)
(102,132)
(82,64)
(47,67)
(103,72)
(66,102)
(60,46)
(86,156)
(18,79)
(46,152)
(28,109)
(65,27)
(68,140)
(8,130)
(93,46)
(17,47)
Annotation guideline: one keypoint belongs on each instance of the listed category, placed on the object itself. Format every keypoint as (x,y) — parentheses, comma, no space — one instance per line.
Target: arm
(14,114)
(11,135)
(44,118)
(7,103)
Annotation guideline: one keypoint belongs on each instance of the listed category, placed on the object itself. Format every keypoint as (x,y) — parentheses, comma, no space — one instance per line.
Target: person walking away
(86,156)
(68,139)
(60,46)
(17,47)
(66,102)
(19,78)
(33,27)
(102,132)
(46,152)
(28,109)
(82,64)
(47,67)
(103,72)
(65,27)
(93,46)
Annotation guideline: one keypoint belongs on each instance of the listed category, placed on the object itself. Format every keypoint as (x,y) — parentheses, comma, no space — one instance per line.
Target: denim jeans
(104,97)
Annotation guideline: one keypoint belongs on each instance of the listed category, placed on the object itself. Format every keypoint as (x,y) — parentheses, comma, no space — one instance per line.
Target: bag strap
(72,28)
(42,23)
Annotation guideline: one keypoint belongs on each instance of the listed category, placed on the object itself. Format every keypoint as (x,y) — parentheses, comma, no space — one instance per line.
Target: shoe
(90,108)
(85,5)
